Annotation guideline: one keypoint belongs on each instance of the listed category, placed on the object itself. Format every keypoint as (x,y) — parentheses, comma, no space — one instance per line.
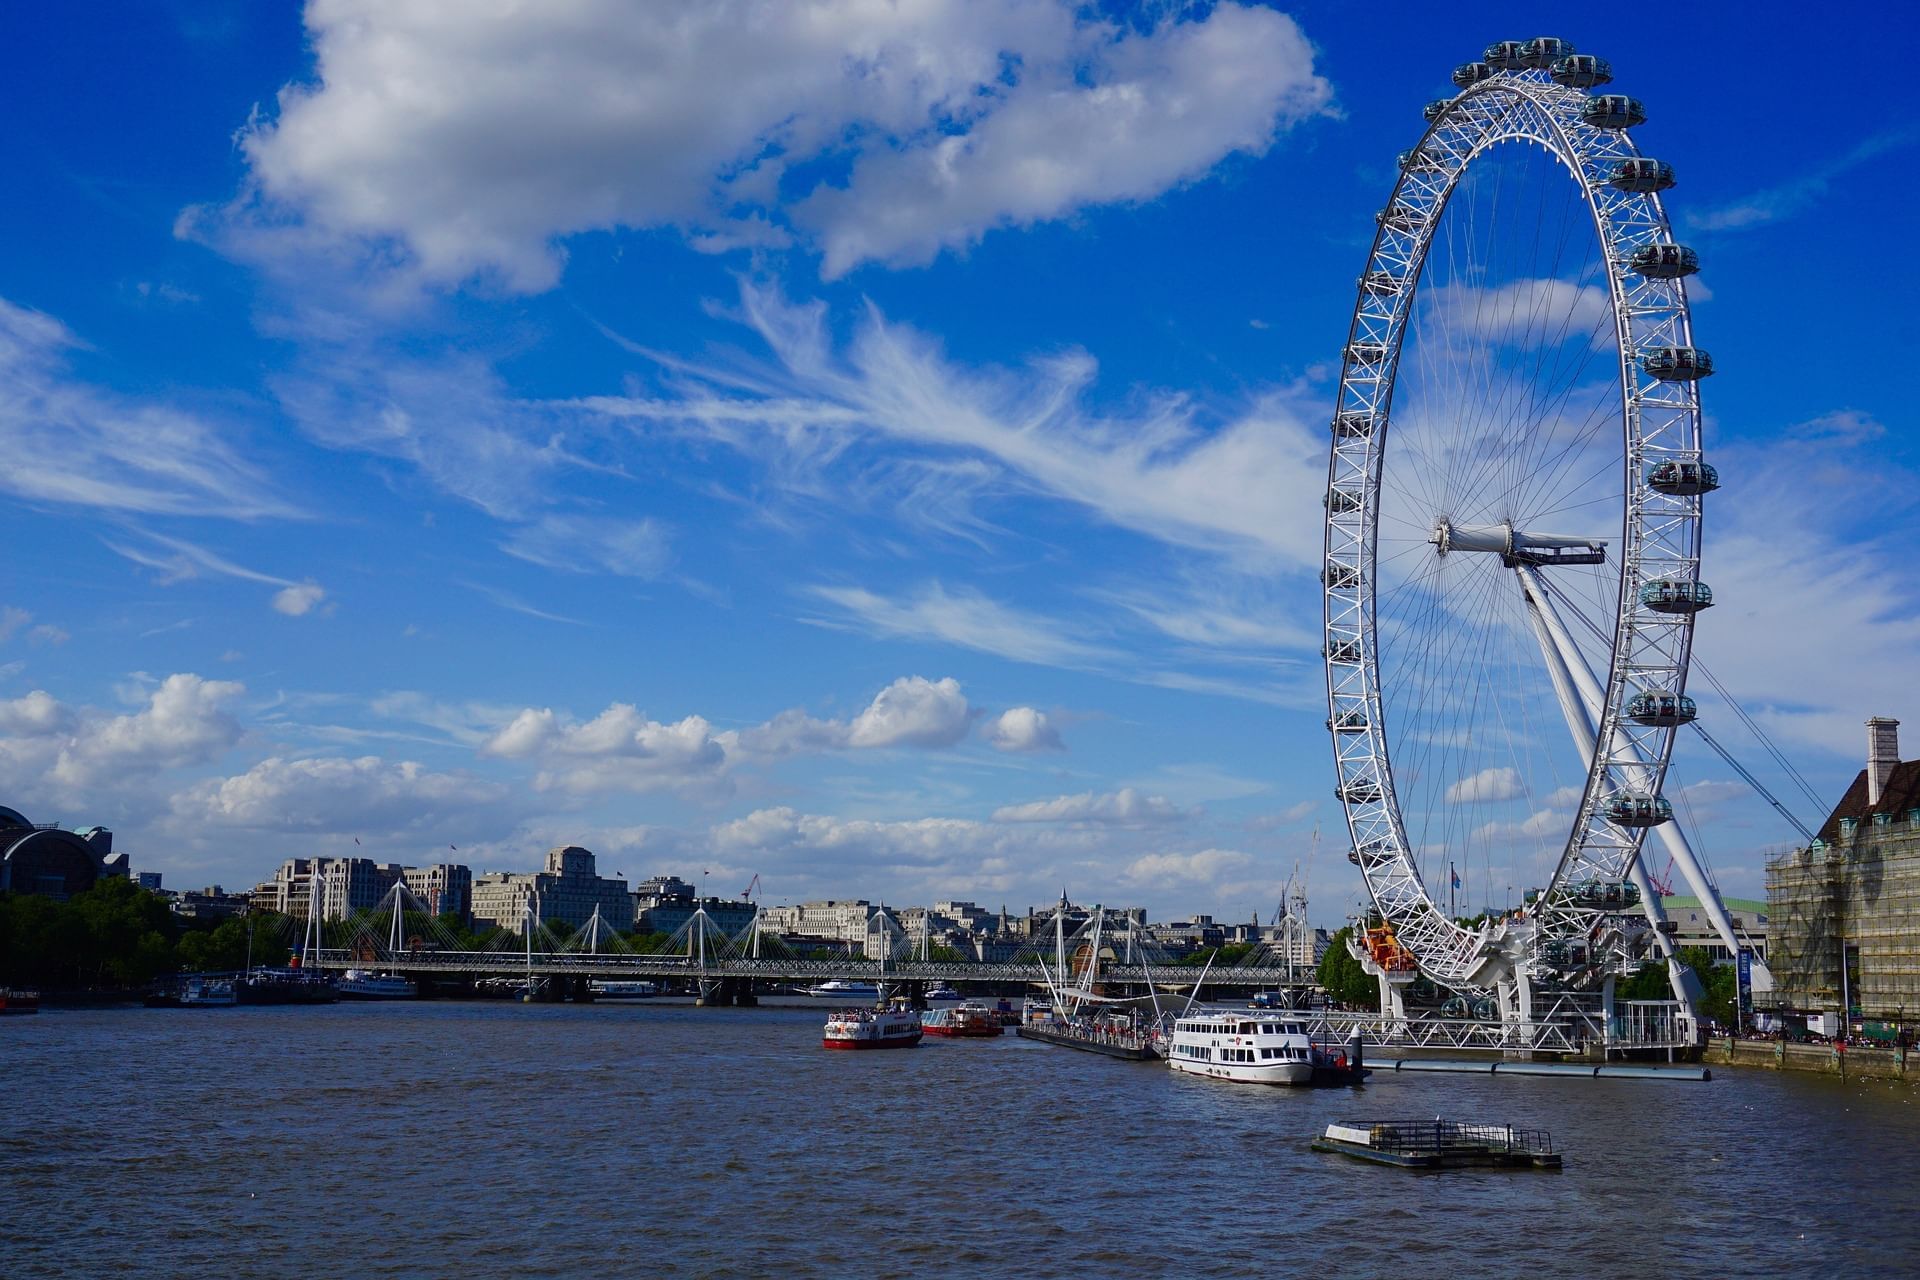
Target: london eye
(1512,553)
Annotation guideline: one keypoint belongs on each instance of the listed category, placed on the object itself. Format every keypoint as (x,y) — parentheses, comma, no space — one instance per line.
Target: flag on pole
(356,839)
(1454,874)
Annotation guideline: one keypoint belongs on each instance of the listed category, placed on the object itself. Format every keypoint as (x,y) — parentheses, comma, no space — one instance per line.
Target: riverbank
(1853,1063)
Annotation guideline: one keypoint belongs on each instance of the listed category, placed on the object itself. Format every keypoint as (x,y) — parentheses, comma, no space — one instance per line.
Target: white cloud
(966,618)
(336,795)
(1161,471)
(1778,203)
(51,750)
(1489,786)
(68,443)
(913,712)
(188,561)
(582,544)
(12,618)
(463,139)
(1174,870)
(47,633)
(1125,807)
(299,599)
(622,749)
(1022,729)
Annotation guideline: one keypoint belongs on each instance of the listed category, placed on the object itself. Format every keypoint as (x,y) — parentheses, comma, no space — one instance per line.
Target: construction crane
(753,887)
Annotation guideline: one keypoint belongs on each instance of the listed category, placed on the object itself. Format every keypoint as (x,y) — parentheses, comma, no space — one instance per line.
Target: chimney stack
(1883,755)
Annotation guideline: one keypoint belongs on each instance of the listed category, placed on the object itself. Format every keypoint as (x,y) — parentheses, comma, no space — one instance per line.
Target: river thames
(476,1139)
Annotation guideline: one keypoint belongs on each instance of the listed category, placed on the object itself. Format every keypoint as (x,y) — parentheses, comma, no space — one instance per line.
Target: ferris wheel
(1512,545)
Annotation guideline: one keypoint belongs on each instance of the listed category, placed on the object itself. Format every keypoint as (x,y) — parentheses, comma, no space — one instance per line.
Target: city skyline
(725,486)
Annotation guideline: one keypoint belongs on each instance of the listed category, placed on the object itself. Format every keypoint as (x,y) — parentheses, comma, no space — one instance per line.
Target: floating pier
(1113,1045)
(1508,1067)
(1441,1144)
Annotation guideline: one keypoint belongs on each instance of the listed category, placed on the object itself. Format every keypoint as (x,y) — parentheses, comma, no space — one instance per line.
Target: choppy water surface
(559,1140)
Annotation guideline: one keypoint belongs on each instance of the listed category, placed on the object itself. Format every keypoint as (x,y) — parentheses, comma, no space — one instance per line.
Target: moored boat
(611,989)
(944,994)
(968,1021)
(841,989)
(893,1028)
(363,984)
(203,991)
(1244,1047)
(284,986)
(14,1002)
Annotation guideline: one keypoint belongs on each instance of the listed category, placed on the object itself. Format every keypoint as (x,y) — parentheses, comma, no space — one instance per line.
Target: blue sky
(875,447)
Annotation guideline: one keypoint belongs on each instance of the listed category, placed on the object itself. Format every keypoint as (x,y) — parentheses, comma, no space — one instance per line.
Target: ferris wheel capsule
(1663,261)
(1682,478)
(1677,364)
(1435,109)
(1641,175)
(1632,810)
(1542,52)
(1613,111)
(1468,74)
(1581,71)
(1506,55)
(1662,710)
(1669,595)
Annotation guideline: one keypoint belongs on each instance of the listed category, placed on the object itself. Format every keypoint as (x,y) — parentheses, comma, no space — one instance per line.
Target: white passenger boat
(364,984)
(840,989)
(895,1028)
(1244,1046)
(622,990)
(204,992)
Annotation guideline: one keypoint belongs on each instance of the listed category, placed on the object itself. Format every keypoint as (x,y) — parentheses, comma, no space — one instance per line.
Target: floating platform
(1111,1047)
(1509,1067)
(1441,1144)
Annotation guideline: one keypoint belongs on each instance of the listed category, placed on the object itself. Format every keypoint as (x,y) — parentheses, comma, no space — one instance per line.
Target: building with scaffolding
(1844,911)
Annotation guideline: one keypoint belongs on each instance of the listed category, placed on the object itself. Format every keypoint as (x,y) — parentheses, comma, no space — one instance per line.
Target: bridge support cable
(1593,700)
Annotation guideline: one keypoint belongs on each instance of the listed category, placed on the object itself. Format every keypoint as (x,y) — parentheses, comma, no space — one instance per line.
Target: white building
(568,891)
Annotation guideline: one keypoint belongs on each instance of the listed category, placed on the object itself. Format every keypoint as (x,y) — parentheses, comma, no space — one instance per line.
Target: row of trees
(118,935)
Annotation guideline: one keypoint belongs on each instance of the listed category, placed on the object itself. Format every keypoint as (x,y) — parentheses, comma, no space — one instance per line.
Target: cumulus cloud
(1489,786)
(913,712)
(335,795)
(1125,807)
(51,750)
(298,600)
(622,749)
(1023,729)
(71,444)
(465,139)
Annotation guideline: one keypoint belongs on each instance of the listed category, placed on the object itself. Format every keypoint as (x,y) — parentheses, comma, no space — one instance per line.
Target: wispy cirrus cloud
(186,560)
(1776,204)
(70,443)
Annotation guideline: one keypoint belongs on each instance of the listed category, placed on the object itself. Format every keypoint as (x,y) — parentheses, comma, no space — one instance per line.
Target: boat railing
(1449,1135)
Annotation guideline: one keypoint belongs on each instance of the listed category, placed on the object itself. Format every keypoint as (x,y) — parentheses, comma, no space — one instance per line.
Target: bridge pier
(715,993)
(581,990)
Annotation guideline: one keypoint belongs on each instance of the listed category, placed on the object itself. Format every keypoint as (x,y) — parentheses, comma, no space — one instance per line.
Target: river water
(479,1140)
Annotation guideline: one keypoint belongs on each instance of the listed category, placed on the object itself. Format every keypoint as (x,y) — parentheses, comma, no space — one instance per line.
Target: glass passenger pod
(1366,352)
(1346,652)
(1613,111)
(1341,501)
(1371,851)
(1361,792)
(1418,161)
(1506,55)
(1669,595)
(1400,218)
(1380,284)
(1606,895)
(1351,721)
(1682,479)
(1677,364)
(1339,576)
(1641,175)
(1435,109)
(1663,261)
(1354,424)
(1581,71)
(1542,52)
(1468,74)
(1634,809)
(1661,710)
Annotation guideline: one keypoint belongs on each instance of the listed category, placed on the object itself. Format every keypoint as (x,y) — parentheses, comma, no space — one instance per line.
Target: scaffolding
(1844,919)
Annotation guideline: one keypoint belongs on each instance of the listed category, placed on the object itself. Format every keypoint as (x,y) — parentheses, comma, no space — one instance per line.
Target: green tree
(1342,978)
(1232,953)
